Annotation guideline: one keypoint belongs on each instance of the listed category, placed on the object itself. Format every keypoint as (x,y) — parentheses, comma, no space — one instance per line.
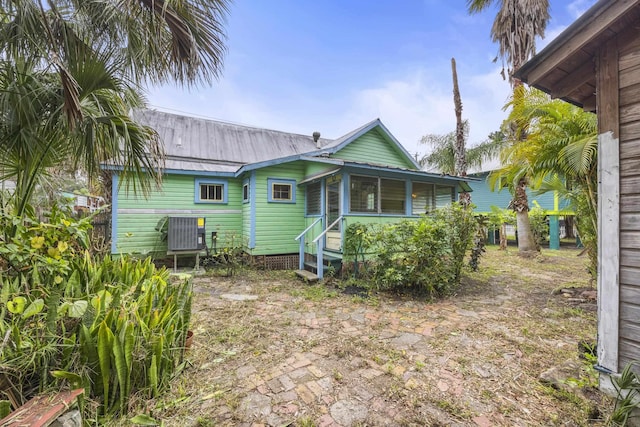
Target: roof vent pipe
(316,137)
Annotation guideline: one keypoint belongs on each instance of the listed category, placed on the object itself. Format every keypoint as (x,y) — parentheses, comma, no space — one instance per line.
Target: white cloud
(421,104)
(411,106)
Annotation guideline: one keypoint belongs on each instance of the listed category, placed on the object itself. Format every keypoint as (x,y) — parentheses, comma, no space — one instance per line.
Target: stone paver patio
(268,356)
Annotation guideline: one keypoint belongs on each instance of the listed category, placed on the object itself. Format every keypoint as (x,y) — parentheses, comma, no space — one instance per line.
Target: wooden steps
(307,276)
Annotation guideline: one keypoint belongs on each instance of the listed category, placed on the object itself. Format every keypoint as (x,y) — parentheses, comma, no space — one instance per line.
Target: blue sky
(333,65)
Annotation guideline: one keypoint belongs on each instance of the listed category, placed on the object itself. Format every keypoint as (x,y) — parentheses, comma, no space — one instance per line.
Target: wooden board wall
(629,128)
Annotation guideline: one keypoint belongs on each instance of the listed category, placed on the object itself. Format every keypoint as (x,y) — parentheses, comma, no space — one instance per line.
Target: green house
(284,197)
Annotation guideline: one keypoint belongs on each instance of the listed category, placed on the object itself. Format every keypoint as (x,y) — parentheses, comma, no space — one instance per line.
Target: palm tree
(149,40)
(443,158)
(72,71)
(515,28)
(35,134)
(559,155)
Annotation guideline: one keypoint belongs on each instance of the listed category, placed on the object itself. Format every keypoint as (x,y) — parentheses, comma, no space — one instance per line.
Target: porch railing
(319,241)
(301,239)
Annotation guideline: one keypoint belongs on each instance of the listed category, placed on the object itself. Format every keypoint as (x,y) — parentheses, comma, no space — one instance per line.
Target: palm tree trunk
(460,149)
(520,204)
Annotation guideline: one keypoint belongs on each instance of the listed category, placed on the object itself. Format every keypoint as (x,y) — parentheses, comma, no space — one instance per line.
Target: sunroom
(358,193)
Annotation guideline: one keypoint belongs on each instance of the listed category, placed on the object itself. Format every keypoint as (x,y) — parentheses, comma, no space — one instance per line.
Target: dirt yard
(270,350)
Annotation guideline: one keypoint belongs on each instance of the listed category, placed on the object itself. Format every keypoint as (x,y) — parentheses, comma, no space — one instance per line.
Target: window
(211,191)
(422,198)
(392,196)
(364,194)
(444,196)
(282,190)
(313,198)
(377,195)
(245,192)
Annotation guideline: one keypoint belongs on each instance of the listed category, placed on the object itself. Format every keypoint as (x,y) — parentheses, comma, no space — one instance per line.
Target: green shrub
(113,327)
(425,255)
(461,227)
(539,225)
(413,254)
(358,240)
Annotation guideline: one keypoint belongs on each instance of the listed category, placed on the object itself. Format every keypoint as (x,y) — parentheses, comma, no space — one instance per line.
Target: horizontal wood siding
(246,224)
(278,224)
(373,148)
(136,219)
(483,198)
(314,169)
(629,68)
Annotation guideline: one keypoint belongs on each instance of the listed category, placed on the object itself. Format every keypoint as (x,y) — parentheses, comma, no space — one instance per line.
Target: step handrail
(306,230)
(301,239)
(319,241)
(327,229)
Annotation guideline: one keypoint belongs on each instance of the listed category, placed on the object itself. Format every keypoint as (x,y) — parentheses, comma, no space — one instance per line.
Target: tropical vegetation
(71,72)
(515,28)
(557,153)
(115,328)
(425,256)
(442,156)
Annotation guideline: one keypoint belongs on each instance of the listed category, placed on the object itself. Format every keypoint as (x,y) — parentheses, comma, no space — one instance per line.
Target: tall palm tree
(559,155)
(515,28)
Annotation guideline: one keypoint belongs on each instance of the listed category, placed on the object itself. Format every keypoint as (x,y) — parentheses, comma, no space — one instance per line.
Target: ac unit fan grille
(183,234)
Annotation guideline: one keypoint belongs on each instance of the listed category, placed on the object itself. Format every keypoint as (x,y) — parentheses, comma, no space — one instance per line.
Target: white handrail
(327,229)
(302,243)
(306,230)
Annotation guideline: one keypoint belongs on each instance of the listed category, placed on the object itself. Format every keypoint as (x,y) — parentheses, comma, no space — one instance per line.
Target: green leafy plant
(627,387)
(358,240)
(112,327)
(477,246)
(229,258)
(539,225)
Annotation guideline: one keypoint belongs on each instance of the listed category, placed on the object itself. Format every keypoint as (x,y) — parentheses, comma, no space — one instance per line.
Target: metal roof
(211,146)
(225,143)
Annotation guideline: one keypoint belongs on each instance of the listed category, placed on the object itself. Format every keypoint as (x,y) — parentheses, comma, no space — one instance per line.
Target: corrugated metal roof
(199,139)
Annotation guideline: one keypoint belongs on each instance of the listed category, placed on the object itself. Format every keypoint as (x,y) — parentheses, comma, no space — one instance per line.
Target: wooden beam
(572,81)
(608,89)
(595,26)
(589,104)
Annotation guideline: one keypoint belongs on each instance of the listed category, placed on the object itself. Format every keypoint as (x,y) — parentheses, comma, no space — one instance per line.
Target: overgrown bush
(113,327)
(461,226)
(357,243)
(424,255)
(539,226)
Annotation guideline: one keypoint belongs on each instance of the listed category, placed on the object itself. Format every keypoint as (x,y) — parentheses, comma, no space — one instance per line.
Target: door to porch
(333,240)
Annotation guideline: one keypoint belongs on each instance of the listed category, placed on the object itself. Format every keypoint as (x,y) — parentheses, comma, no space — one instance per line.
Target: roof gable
(371,143)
